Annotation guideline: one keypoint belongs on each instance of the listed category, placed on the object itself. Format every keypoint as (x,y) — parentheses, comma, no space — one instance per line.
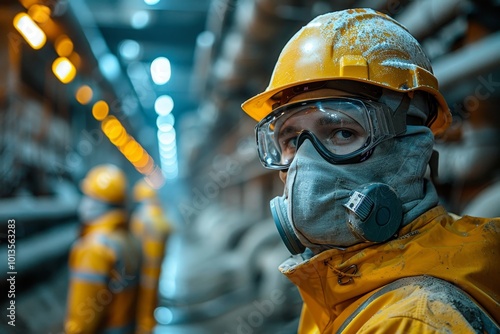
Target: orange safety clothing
(151,227)
(460,250)
(104,270)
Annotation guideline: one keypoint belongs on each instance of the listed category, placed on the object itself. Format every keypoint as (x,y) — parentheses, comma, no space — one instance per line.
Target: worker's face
(311,95)
(318,179)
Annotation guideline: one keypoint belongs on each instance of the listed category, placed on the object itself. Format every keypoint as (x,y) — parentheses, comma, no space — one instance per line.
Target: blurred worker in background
(348,120)
(152,228)
(105,262)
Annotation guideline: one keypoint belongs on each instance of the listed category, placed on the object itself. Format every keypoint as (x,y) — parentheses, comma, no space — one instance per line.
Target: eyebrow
(288,129)
(342,119)
(328,121)
(322,121)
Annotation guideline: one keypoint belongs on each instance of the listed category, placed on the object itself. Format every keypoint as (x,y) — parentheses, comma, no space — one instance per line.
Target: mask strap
(284,226)
(433,164)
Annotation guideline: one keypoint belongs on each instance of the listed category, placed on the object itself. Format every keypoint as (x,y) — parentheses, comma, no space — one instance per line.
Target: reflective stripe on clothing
(89,277)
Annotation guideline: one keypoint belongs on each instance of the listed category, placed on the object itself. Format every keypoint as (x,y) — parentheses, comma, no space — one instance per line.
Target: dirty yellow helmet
(106,183)
(359,45)
(143,191)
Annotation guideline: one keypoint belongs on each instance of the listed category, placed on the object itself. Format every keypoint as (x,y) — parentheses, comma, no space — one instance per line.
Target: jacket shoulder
(421,304)
(471,223)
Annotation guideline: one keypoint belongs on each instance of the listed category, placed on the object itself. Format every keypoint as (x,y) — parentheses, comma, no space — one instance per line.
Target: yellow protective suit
(463,251)
(104,270)
(152,228)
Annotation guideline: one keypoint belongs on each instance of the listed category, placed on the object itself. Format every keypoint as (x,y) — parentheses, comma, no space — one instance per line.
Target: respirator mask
(329,200)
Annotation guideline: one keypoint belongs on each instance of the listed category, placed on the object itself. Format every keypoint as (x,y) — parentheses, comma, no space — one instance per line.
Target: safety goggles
(343,130)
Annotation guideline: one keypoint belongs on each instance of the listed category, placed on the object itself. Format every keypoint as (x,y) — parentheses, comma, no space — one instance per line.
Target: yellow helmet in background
(143,191)
(107,183)
(360,45)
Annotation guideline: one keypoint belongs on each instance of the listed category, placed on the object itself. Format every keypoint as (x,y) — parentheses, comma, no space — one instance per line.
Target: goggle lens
(342,126)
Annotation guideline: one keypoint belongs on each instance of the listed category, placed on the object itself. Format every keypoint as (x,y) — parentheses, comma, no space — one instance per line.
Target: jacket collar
(329,281)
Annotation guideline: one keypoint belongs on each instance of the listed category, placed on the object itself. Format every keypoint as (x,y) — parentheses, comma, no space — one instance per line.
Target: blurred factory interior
(170,76)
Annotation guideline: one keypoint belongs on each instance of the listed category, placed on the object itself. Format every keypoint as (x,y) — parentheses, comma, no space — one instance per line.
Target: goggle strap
(399,115)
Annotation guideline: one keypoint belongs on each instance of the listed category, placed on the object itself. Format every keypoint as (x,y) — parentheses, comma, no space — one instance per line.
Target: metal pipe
(423,18)
(470,61)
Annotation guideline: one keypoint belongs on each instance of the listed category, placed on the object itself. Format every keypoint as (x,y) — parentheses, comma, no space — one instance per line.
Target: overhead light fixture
(168,153)
(130,148)
(170,171)
(109,66)
(166,138)
(160,70)
(206,39)
(155,178)
(129,49)
(39,13)
(84,94)
(31,32)
(137,155)
(63,46)
(75,59)
(139,19)
(111,126)
(151,2)
(142,161)
(147,168)
(100,110)
(164,105)
(122,140)
(165,123)
(64,70)
(165,127)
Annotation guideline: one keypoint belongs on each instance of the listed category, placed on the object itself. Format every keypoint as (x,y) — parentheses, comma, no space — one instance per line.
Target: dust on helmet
(360,45)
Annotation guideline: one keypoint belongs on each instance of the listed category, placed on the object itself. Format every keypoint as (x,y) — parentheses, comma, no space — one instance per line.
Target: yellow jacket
(463,251)
(104,269)
(150,226)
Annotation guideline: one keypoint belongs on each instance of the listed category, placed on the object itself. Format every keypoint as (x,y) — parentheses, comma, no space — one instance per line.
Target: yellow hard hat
(143,191)
(106,183)
(360,45)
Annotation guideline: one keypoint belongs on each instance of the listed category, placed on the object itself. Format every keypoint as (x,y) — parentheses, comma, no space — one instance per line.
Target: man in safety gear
(349,119)
(151,227)
(104,262)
